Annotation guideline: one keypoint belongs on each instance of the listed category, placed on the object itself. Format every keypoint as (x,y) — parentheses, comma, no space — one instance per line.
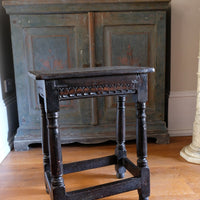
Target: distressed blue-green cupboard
(58,35)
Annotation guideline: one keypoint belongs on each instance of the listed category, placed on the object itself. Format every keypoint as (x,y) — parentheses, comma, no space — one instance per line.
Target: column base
(191,154)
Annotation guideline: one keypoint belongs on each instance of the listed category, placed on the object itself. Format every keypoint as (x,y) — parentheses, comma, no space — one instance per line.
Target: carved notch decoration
(96,89)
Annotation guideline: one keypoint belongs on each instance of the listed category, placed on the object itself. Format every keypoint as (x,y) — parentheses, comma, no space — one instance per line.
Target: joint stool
(88,83)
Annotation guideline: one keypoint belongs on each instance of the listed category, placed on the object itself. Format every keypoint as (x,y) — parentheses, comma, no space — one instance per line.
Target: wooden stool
(87,83)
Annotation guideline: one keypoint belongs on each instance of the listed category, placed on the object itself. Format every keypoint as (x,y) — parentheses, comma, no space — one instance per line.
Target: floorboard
(172,178)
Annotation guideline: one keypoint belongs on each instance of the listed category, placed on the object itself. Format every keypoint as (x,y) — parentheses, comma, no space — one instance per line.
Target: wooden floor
(172,178)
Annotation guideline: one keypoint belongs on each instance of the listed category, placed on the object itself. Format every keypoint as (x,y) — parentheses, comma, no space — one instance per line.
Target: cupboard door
(52,43)
(135,39)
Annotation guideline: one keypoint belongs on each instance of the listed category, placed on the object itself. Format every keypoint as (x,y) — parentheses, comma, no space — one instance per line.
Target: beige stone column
(191,153)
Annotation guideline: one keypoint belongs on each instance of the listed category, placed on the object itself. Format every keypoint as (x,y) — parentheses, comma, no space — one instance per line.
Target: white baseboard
(7,133)
(182,109)
(4,146)
(180,132)
(5,149)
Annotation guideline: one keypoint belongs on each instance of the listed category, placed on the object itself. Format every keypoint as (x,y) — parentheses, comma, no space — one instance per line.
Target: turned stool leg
(141,141)
(44,134)
(57,182)
(120,150)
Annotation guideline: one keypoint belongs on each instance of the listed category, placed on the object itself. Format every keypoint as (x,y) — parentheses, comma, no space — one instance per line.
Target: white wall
(185,27)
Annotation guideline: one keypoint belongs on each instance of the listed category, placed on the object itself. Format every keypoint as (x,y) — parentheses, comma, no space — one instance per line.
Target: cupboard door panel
(54,44)
(130,39)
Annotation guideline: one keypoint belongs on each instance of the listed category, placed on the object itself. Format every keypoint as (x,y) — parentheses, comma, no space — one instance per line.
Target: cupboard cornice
(70,6)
